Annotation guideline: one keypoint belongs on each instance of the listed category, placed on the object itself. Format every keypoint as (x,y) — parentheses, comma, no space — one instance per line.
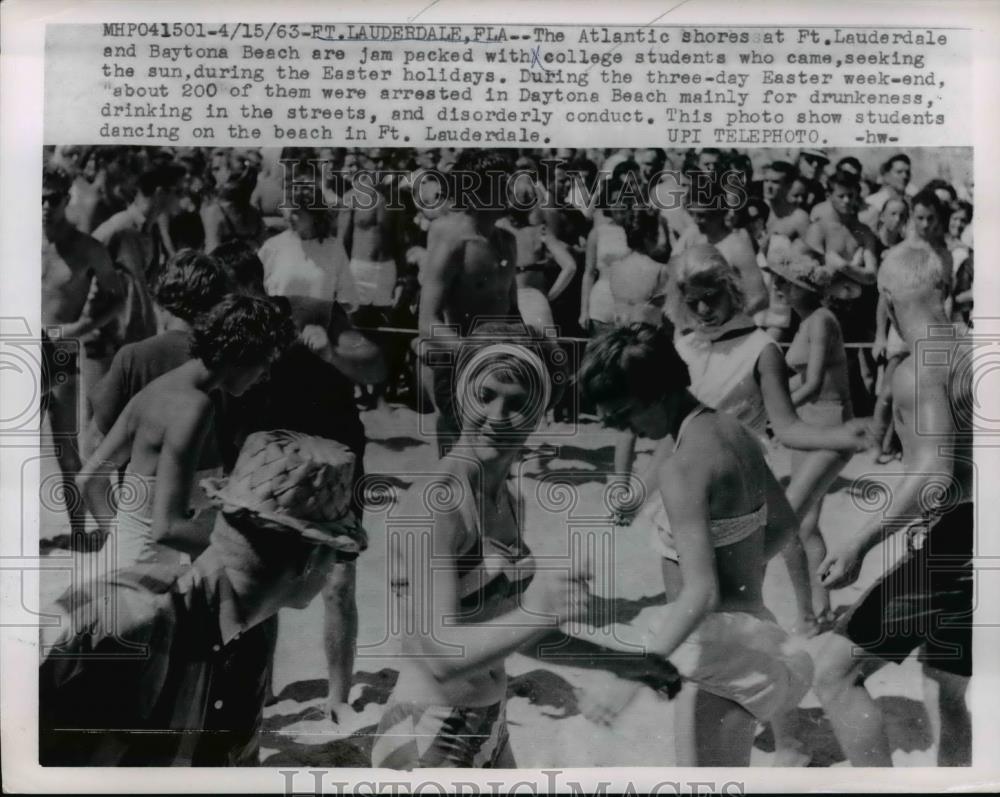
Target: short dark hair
(929,199)
(900,156)
(845,180)
(242,265)
(637,362)
(641,225)
(56,178)
(242,330)
(190,285)
(487,190)
(937,184)
(166,176)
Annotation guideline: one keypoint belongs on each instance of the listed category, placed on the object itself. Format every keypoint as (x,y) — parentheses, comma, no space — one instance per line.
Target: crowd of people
(196,300)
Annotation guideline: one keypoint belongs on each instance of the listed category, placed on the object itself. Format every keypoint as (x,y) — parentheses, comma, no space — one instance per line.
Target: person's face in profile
(796,194)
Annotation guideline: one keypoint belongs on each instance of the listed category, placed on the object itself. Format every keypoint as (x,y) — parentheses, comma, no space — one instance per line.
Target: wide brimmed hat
(800,267)
(293,483)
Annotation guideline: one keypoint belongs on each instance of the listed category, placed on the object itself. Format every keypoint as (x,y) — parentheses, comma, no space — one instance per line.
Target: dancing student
(468,275)
(167,665)
(822,397)
(925,600)
(465,587)
(638,288)
(161,432)
(190,285)
(727,518)
(738,368)
(537,249)
(709,203)
(605,243)
(307,259)
(231,215)
(75,267)
(927,227)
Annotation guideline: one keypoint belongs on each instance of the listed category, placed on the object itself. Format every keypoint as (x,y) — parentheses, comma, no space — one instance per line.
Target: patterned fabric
(411,735)
(147,668)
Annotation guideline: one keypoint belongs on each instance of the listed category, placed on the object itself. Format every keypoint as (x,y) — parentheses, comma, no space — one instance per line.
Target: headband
(519,353)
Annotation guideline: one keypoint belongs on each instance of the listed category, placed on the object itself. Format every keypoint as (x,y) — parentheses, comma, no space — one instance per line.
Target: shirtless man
(925,600)
(163,428)
(72,264)
(468,275)
(850,247)
(537,248)
(371,235)
(710,227)
(895,177)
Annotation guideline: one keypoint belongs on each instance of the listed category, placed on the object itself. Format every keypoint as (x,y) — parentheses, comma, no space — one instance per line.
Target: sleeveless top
(611,246)
(723,372)
(723,531)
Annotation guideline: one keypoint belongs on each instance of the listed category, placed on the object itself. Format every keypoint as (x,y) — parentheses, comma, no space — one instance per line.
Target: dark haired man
(161,432)
(895,174)
(75,268)
(469,273)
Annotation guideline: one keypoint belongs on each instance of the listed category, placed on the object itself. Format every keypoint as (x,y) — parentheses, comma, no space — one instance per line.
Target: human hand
(314,337)
(842,564)
(584,321)
(603,703)
(562,593)
(858,435)
(416,255)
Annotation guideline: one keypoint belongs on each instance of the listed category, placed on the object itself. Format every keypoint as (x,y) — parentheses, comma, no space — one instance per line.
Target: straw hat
(800,267)
(294,483)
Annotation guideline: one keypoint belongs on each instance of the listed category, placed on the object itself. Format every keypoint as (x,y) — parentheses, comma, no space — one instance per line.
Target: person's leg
(621,499)
(64,418)
(953,721)
(723,732)
(812,475)
(815,551)
(854,715)
(340,634)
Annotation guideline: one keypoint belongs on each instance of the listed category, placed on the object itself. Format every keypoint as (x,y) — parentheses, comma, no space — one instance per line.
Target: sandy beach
(563,481)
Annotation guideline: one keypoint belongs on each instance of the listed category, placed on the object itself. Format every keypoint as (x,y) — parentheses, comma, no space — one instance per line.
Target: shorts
(746,659)
(825,413)
(60,363)
(375,281)
(534,308)
(411,735)
(925,600)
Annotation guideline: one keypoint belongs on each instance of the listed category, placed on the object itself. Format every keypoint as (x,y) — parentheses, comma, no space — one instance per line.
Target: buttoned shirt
(148,667)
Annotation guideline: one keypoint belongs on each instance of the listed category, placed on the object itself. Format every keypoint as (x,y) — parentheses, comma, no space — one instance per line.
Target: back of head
(913,271)
(637,362)
(479,179)
(241,331)
(241,264)
(190,285)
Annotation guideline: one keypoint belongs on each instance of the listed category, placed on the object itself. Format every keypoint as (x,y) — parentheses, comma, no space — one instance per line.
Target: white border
(21,93)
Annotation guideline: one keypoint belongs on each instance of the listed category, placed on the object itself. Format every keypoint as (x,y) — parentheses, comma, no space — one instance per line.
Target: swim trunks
(411,735)
(924,601)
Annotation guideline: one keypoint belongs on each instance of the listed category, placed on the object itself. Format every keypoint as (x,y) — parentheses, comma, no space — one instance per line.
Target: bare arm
(790,430)
(440,271)
(565,261)
(93,481)
(685,490)
(863,266)
(782,522)
(175,475)
(821,333)
(212,221)
(455,650)
(930,470)
(589,272)
(106,286)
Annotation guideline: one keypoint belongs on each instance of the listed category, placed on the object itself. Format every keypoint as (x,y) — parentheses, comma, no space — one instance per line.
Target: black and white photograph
(407,458)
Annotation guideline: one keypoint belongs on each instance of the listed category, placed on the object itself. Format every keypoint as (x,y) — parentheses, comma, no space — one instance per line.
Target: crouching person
(165,664)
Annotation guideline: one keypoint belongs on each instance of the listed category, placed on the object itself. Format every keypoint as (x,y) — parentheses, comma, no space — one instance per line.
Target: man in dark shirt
(166,664)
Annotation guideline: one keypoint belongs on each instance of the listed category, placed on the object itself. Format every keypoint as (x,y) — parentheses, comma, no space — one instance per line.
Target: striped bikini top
(723,531)
(490,572)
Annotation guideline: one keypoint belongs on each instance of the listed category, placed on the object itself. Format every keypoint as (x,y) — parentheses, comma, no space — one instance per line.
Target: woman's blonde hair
(704,266)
